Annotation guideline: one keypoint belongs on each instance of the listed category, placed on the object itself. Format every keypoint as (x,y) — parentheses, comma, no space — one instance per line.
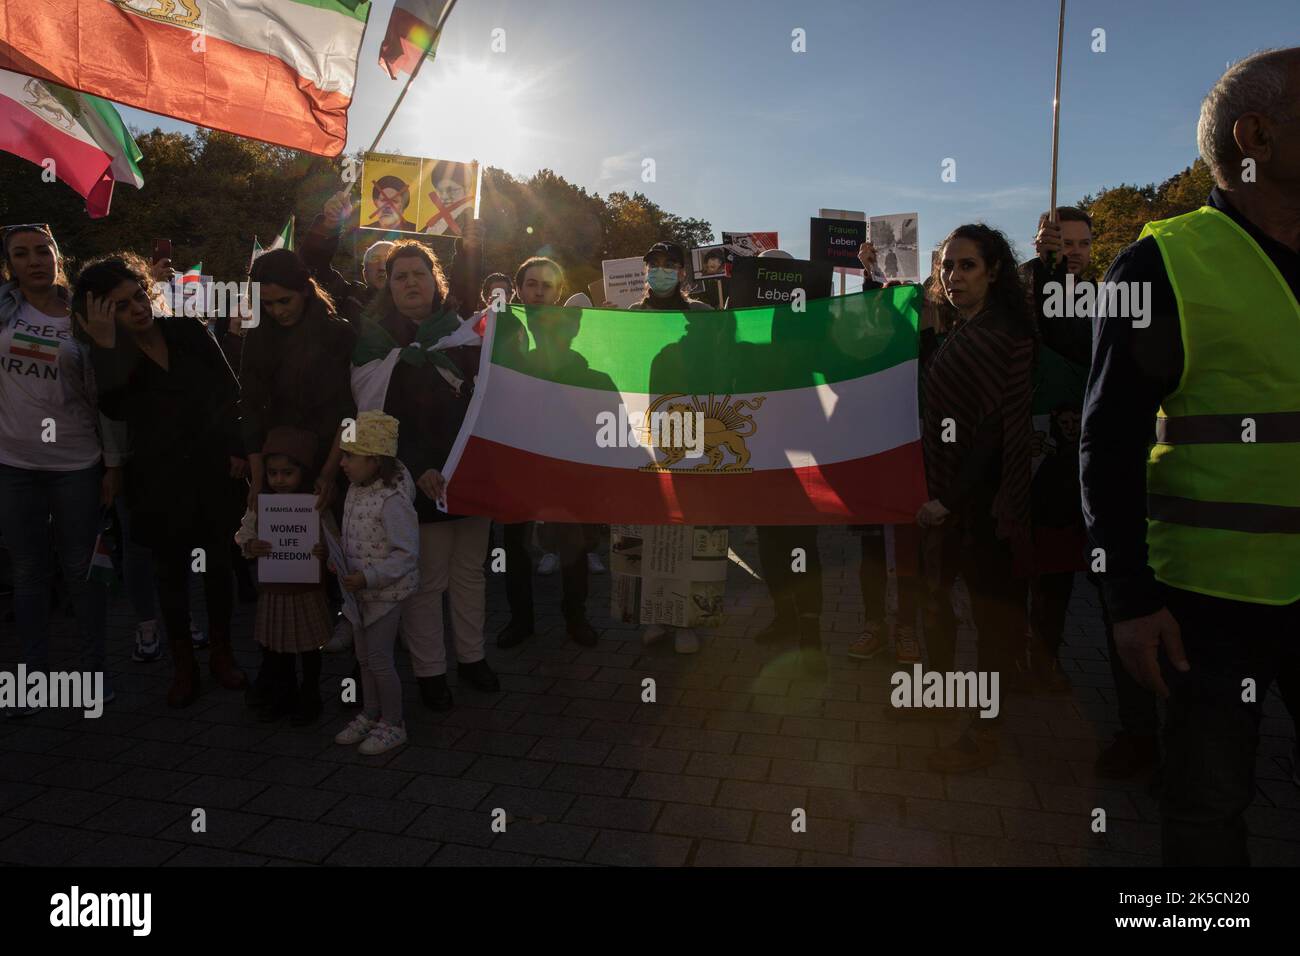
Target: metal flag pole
(1056,127)
(433,42)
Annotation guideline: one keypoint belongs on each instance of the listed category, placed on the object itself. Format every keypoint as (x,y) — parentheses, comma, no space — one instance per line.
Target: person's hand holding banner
(867,256)
(338,208)
(931,514)
(432,483)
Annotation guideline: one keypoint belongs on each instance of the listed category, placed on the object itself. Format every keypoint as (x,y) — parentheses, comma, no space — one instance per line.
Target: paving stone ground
(587,773)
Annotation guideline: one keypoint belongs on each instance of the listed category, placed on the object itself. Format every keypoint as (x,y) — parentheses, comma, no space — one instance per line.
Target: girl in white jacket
(381,543)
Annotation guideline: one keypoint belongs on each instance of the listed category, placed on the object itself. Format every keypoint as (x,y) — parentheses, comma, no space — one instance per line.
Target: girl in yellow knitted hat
(381,543)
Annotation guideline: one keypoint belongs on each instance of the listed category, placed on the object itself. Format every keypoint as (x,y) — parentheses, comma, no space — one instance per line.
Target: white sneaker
(548,564)
(342,639)
(594,564)
(653,633)
(685,640)
(147,646)
(383,738)
(356,731)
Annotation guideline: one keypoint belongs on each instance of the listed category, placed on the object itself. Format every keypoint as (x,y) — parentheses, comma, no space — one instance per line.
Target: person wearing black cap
(664,282)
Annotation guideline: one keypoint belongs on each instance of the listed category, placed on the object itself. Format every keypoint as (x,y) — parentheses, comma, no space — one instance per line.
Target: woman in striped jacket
(975,435)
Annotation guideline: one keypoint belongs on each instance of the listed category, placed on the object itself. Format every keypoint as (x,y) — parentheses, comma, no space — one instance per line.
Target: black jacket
(184,427)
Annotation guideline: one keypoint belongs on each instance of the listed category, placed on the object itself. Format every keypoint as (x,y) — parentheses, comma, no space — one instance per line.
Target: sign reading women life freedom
(291,524)
(433,197)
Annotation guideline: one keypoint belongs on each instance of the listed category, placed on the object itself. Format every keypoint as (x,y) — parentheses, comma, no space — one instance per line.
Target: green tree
(1119,213)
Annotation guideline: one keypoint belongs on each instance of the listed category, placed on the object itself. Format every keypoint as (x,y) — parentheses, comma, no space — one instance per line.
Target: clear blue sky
(752,136)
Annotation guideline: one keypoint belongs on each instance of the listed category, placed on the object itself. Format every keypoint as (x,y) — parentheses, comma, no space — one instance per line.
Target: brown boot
(185,674)
(975,750)
(221,660)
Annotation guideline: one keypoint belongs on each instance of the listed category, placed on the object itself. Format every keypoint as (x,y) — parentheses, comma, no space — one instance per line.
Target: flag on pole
(282,241)
(282,71)
(82,134)
(285,239)
(192,275)
(772,417)
(412,34)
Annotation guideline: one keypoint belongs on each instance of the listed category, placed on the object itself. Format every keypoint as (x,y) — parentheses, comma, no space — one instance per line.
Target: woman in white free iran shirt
(51,458)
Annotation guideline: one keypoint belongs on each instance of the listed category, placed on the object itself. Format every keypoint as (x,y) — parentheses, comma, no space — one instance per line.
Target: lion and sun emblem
(183,13)
(725,429)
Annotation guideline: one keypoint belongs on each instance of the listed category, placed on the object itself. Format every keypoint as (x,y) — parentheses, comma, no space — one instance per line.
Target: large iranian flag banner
(754,416)
(281,71)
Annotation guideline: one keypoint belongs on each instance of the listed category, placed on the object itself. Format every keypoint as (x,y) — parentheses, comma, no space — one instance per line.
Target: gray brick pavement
(707,775)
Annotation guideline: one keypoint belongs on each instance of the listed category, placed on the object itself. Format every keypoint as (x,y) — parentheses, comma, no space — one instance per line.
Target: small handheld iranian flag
(101,562)
(794,414)
(192,275)
(283,241)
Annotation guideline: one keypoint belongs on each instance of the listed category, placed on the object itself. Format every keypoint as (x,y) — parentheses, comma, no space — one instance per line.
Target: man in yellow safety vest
(1198,532)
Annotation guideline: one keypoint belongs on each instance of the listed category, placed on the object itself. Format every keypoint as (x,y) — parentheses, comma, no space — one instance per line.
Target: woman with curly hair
(975,435)
(168,380)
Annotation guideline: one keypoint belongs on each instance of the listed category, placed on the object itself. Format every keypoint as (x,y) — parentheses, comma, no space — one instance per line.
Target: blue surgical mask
(662,281)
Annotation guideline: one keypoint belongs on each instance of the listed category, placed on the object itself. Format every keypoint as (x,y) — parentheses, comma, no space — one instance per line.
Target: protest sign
(895,240)
(434,197)
(624,280)
(668,574)
(773,281)
(292,525)
(334,548)
(837,241)
(709,262)
(739,245)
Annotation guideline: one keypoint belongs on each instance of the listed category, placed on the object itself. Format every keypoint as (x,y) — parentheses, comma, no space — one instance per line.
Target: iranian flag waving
(282,71)
(414,29)
(83,136)
(756,416)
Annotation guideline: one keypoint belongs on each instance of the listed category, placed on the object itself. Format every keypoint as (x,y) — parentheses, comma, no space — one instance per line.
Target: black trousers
(873,578)
(795,593)
(1211,734)
(172,561)
(1050,594)
(572,542)
(997,597)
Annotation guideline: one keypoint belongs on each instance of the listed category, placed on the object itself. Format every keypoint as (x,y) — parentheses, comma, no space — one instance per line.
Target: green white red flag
(414,29)
(282,71)
(808,417)
(82,136)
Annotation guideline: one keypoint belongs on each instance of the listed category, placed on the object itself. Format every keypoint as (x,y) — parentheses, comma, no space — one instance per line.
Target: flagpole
(1056,126)
(437,33)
